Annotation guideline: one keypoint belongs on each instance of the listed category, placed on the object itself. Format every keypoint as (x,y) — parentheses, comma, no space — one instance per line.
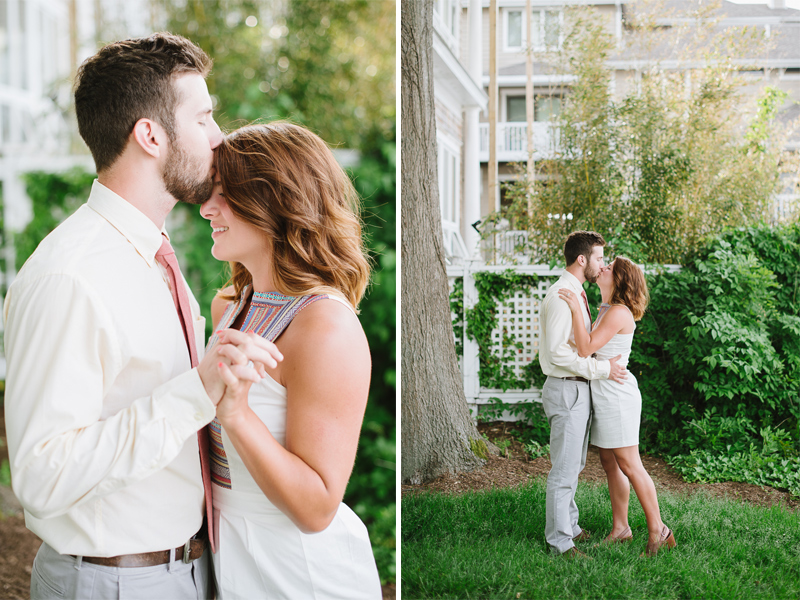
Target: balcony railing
(512,141)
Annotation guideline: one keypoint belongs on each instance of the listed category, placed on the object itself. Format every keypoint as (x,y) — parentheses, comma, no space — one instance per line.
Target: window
(544,108)
(792,73)
(449,179)
(445,10)
(545,26)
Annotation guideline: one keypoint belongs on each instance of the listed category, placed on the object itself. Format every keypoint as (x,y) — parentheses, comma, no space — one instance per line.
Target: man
(102,403)
(566,395)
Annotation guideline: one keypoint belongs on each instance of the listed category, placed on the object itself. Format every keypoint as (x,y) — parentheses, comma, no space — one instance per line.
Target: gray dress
(617,407)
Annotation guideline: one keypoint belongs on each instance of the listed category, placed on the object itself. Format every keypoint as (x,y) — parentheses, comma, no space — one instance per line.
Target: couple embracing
(589,392)
(140,457)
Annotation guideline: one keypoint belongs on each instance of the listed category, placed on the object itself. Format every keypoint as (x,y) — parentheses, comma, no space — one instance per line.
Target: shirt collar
(573,281)
(137,227)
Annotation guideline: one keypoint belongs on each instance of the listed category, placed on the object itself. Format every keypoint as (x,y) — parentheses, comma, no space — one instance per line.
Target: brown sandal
(667,539)
(625,536)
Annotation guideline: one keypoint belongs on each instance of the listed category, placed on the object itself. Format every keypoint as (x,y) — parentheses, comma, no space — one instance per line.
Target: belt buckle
(187,550)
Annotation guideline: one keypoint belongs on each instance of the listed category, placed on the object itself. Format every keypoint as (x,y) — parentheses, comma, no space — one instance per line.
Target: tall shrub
(664,164)
(721,342)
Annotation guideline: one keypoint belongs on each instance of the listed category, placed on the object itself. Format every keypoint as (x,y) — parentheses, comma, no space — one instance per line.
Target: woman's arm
(326,372)
(613,322)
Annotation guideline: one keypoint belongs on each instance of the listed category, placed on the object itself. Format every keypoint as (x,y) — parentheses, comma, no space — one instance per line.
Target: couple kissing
(589,392)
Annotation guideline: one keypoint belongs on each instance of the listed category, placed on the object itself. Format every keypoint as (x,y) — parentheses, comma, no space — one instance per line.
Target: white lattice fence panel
(518,319)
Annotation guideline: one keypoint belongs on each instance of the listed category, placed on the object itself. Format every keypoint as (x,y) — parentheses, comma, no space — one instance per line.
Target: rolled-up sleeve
(62,358)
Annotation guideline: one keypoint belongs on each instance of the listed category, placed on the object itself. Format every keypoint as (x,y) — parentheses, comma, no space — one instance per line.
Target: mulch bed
(517,468)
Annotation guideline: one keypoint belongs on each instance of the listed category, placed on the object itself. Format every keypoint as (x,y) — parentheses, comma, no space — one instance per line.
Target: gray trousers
(57,575)
(568,406)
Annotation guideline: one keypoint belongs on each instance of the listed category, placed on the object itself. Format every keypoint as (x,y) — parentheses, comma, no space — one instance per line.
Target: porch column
(472,163)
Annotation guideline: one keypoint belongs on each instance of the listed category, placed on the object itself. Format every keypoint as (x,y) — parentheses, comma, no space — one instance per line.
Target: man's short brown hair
(581,243)
(131,80)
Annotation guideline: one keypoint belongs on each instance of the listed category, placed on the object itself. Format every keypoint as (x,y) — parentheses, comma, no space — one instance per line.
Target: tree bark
(438,435)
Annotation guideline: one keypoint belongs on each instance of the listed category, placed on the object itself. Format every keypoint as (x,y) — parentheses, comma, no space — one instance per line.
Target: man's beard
(177,177)
(590,276)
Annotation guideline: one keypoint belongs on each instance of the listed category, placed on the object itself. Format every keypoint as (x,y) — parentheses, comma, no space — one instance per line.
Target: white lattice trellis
(518,319)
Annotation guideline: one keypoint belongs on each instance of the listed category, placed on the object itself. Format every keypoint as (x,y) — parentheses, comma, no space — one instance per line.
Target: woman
(617,407)
(283,214)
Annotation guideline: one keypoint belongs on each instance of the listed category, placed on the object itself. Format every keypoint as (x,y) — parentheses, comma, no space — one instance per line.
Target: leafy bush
(749,467)
(54,196)
(717,357)
(536,450)
(717,352)
(372,485)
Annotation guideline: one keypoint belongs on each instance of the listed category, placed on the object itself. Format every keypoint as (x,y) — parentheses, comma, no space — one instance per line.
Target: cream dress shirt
(558,354)
(102,406)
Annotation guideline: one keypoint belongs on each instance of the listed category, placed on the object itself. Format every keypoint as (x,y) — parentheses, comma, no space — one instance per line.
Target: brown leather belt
(191,551)
(583,379)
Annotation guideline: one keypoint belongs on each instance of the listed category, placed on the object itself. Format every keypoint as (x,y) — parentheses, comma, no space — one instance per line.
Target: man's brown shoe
(575,553)
(584,535)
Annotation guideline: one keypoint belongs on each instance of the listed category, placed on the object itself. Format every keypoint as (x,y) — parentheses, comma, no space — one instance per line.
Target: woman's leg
(619,489)
(631,465)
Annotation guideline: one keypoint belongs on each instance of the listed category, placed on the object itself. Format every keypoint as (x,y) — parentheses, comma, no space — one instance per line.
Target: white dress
(260,552)
(617,407)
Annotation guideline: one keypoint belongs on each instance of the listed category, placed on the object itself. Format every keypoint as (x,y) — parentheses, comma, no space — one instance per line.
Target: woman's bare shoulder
(327,327)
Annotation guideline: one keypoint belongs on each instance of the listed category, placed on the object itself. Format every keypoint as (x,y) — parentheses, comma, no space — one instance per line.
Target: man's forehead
(597,251)
(193,93)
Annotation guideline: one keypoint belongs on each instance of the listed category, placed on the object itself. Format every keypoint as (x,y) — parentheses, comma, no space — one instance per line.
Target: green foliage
(371,490)
(327,65)
(5,473)
(54,197)
(717,352)
(536,450)
(482,320)
(457,310)
(657,169)
(717,359)
(503,445)
(530,418)
(752,466)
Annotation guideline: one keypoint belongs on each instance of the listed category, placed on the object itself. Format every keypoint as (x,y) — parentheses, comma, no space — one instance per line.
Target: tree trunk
(438,435)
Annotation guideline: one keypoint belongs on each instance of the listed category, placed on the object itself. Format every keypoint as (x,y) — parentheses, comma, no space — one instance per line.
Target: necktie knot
(166,248)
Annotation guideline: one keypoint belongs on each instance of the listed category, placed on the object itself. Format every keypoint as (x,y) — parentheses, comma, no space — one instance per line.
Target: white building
(457,32)
(459,98)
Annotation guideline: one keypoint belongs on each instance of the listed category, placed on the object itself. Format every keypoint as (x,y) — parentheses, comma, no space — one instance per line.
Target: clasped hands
(235,362)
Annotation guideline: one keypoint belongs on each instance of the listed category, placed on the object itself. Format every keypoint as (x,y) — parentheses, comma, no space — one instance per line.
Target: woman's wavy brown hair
(284,180)
(630,287)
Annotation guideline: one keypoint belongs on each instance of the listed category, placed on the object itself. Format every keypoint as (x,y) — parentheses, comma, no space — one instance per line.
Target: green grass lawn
(491,545)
